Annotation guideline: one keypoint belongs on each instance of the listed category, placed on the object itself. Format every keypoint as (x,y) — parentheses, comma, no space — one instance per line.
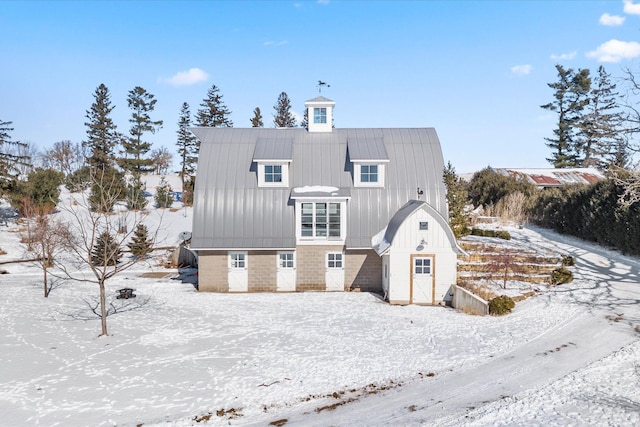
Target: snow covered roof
(552,177)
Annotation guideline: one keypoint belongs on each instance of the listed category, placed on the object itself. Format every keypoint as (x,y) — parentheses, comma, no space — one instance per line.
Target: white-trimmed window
(238,260)
(369,174)
(286,260)
(422,265)
(321,220)
(273,174)
(334,260)
(320,115)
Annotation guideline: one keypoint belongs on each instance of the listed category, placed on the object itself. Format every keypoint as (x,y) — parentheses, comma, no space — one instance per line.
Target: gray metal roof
(231,212)
(320,99)
(364,149)
(273,149)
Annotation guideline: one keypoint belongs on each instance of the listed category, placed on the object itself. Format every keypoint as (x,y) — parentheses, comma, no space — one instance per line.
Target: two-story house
(323,209)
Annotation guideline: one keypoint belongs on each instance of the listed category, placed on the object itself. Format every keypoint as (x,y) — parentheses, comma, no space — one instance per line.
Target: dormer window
(369,173)
(272,173)
(369,158)
(320,215)
(320,115)
(272,157)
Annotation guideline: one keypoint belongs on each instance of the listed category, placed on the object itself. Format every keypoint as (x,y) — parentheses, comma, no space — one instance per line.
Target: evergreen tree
(8,161)
(135,199)
(214,113)
(571,96)
(106,251)
(164,194)
(283,118)
(457,197)
(601,135)
(187,145)
(135,148)
(102,136)
(305,119)
(107,186)
(140,244)
(256,121)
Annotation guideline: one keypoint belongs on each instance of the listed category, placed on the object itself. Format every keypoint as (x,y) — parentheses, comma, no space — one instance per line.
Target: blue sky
(476,71)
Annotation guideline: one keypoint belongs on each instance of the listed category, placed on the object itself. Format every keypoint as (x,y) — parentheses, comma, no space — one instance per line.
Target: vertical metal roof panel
(230,211)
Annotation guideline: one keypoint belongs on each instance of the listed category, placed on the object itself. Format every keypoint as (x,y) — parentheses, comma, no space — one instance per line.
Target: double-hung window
(320,220)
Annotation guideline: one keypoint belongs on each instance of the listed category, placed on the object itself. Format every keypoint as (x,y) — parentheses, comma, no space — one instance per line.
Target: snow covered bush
(501,305)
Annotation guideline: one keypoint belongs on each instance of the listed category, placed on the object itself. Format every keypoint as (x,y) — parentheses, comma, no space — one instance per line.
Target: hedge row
(590,213)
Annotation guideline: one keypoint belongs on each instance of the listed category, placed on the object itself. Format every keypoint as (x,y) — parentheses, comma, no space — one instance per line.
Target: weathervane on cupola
(320,84)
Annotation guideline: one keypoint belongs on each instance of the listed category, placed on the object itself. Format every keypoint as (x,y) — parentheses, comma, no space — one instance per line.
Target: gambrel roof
(232,212)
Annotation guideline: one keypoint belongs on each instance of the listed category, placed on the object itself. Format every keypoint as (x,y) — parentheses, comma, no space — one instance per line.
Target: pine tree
(457,197)
(135,199)
(102,136)
(140,243)
(570,95)
(214,113)
(107,187)
(305,119)
(135,148)
(601,135)
(256,121)
(187,145)
(106,251)
(283,118)
(164,194)
(8,161)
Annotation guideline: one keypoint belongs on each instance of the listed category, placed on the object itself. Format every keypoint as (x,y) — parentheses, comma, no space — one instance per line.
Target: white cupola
(320,114)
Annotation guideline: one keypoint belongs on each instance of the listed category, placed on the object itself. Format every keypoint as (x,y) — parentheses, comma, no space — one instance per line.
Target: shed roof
(367,149)
(275,148)
(231,211)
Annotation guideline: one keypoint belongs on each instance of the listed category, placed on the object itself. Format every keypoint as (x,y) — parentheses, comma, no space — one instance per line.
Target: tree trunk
(46,285)
(103,308)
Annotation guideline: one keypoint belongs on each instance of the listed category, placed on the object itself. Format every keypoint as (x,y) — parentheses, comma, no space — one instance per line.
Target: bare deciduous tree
(64,156)
(88,226)
(629,180)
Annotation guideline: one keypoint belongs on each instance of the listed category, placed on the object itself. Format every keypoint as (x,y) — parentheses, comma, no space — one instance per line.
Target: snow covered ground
(568,356)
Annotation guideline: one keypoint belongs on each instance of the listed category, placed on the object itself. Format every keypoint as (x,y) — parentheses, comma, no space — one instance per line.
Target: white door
(286,272)
(238,273)
(421,279)
(334,272)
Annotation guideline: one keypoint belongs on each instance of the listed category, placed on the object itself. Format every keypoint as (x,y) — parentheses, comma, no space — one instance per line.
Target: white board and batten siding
(421,261)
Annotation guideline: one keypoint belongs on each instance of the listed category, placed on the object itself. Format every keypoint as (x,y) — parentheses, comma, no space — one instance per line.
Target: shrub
(501,305)
(79,180)
(568,261)
(164,194)
(487,187)
(560,276)
(501,234)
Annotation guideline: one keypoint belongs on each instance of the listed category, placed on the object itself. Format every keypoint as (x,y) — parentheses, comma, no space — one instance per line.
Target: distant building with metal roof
(553,177)
(293,209)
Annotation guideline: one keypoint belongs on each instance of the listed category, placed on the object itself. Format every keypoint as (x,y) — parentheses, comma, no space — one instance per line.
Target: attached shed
(419,253)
